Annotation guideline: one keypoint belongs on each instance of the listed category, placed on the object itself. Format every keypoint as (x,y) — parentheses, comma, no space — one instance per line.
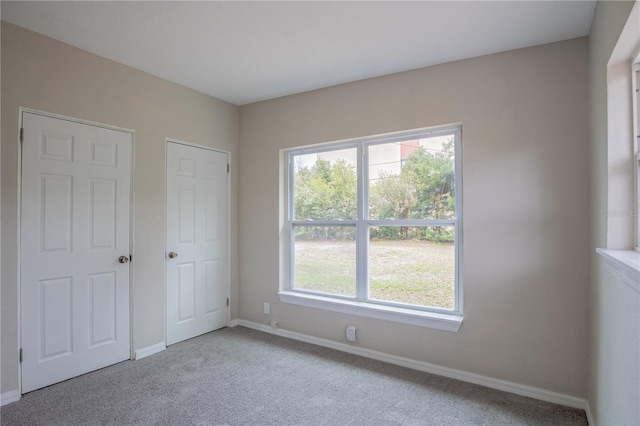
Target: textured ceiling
(245,52)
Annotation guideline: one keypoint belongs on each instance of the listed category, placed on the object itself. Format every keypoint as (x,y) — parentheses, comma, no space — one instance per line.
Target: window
(376,221)
(636,149)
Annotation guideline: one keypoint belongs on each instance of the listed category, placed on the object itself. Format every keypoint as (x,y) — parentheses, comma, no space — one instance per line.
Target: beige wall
(614,331)
(525,159)
(40,73)
(526,231)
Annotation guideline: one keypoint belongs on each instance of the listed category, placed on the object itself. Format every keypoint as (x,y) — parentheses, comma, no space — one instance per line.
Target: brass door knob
(173,254)
(123,259)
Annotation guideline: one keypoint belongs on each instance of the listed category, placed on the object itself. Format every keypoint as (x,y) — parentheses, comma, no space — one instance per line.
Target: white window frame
(636,148)
(433,317)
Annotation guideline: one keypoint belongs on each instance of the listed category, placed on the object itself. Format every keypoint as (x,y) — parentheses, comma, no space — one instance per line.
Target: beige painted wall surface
(47,75)
(614,321)
(525,197)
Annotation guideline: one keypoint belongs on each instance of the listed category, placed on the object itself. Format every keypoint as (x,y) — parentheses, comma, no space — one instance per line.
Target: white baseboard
(518,389)
(590,419)
(149,350)
(9,397)
(233,323)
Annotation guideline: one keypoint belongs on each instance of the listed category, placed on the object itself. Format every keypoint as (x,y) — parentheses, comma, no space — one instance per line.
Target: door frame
(227,225)
(21,112)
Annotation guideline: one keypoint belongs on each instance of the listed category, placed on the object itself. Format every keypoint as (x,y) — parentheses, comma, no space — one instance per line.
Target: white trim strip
(149,350)
(9,397)
(75,120)
(624,265)
(515,388)
(590,419)
(438,321)
(195,145)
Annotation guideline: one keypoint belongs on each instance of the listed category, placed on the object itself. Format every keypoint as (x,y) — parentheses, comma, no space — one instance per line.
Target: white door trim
(228,224)
(74,120)
(21,112)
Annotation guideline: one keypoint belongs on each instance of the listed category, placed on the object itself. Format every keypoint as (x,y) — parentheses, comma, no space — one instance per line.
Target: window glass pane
(413,265)
(325,259)
(325,185)
(412,179)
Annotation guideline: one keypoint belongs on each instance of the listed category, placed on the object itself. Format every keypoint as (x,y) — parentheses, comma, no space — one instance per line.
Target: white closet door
(74,290)
(196,253)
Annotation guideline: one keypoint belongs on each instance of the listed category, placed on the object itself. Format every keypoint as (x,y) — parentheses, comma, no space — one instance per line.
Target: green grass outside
(414,272)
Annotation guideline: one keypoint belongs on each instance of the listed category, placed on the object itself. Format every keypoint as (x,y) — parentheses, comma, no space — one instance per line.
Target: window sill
(438,321)
(624,264)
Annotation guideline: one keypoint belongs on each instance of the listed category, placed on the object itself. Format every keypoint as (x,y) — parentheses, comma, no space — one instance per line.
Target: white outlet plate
(351,333)
(267,309)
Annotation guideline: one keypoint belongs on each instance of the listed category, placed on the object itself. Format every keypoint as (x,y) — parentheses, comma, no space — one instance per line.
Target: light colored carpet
(238,376)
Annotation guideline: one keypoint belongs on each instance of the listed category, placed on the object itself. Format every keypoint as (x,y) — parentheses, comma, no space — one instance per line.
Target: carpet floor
(239,376)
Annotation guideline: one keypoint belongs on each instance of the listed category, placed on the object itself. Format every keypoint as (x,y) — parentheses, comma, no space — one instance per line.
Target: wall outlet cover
(351,333)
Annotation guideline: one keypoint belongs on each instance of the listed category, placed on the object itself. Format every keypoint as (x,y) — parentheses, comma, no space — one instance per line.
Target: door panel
(102,308)
(186,215)
(74,294)
(102,215)
(55,307)
(186,292)
(197,279)
(56,193)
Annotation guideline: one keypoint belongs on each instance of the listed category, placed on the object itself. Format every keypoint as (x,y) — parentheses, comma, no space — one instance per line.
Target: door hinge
(20,354)
(228,167)
(21,134)
(227,301)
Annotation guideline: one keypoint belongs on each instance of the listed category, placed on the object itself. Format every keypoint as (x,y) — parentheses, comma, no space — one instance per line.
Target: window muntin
(378,220)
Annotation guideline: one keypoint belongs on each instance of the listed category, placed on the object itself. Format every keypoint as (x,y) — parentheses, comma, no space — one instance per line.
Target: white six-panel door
(74,290)
(196,254)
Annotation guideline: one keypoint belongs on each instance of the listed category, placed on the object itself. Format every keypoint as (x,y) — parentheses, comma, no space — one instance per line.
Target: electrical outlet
(351,333)
(275,323)
(267,309)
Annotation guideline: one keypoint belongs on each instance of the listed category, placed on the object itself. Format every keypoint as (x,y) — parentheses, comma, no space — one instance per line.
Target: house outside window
(378,220)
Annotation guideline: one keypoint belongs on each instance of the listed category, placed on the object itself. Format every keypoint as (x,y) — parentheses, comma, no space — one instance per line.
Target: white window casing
(360,304)
(636,150)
